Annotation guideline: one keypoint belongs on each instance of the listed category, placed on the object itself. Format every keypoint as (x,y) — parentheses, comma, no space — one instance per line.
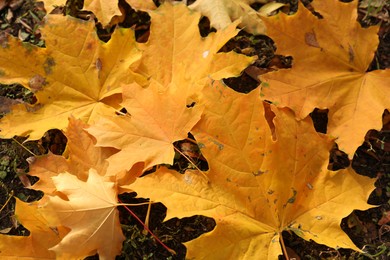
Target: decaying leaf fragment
(65,75)
(258,187)
(331,56)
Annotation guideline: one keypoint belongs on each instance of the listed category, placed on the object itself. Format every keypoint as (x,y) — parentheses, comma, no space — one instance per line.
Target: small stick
(24,147)
(151,233)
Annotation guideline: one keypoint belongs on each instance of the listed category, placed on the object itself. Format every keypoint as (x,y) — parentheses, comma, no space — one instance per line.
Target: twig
(24,147)
(150,232)
(5,204)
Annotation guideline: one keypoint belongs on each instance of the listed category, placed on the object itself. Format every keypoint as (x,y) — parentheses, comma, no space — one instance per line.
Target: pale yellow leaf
(91,215)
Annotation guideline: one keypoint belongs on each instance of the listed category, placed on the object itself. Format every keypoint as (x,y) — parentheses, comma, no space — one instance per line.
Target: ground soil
(22,19)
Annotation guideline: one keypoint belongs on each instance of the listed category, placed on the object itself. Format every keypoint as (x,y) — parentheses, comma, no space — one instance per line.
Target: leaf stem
(283,247)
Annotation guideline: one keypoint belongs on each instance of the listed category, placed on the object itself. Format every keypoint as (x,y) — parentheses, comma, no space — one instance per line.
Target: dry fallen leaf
(167,109)
(91,215)
(158,119)
(184,57)
(82,156)
(81,75)
(258,187)
(331,56)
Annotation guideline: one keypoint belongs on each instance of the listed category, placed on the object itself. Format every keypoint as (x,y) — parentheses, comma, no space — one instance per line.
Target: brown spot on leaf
(311,39)
(89,45)
(7,103)
(36,83)
(351,54)
(33,108)
(99,66)
(48,65)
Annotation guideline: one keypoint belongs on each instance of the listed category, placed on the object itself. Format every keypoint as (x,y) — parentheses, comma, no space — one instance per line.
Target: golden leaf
(73,82)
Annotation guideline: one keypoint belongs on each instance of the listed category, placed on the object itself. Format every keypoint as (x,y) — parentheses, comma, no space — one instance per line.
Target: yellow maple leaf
(91,215)
(76,74)
(167,109)
(331,56)
(258,187)
(176,53)
(223,12)
(36,245)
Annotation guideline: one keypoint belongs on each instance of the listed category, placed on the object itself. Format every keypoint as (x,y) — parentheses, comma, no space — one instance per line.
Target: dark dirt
(22,19)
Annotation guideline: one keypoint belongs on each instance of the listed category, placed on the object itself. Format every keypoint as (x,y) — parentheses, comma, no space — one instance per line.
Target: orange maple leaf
(76,74)
(82,155)
(157,120)
(331,56)
(258,187)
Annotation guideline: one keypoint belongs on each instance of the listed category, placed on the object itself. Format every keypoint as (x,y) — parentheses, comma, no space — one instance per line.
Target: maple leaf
(76,74)
(223,12)
(37,243)
(184,57)
(331,56)
(167,109)
(258,187)
(157,120)
(90,212)
(82,156)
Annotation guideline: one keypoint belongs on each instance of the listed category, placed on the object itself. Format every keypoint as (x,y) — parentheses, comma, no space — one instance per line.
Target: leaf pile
(122,105)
